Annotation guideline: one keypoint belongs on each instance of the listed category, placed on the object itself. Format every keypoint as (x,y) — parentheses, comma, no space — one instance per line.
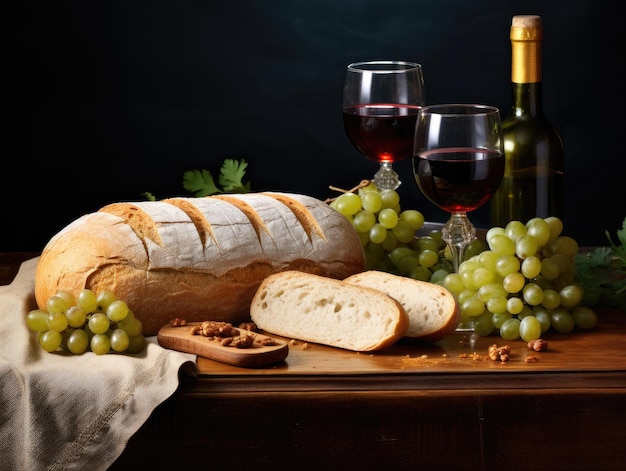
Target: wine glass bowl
(380,104)
(458,162)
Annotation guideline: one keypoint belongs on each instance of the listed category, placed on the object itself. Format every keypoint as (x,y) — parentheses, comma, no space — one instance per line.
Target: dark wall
(108,99)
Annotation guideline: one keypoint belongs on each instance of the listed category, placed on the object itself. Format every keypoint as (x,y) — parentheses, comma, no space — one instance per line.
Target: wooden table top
(580,360)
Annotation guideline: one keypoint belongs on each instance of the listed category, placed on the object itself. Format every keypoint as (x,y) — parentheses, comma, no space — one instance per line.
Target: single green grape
(103,299)
(413,218)
(551,299)
(363,221)
(571,295)
(50,340)
(531,267)
(37,320)
(87,300)
(526,246)
(514,305)
(539,229)
(117,310)
(131,324)
(57,321)
(99,323)
(119,340)
(371,201)
(529,328)
(454,283)
(584,317)
(555,225)
(513,282)
(510,329)
(390,199)
(56,304)
(472,307)
(502,245)
(428,258)
(348,203)
(532,294)
(507,264)
(78,341)
(483,326)
(378,233)
(496,304)
(69,298)
(514,230)
(403,232)
(562,321)
(100,344)
(500,318)
(76,316)
(388,218)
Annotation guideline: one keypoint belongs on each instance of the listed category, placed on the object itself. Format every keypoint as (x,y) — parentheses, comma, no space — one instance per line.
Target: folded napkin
(63,411)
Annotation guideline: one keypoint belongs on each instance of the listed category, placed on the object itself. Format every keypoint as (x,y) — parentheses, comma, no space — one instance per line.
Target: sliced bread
(323,310)
(433,311)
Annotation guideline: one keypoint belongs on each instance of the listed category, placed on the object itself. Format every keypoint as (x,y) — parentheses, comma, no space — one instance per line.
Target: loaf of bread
(433,311)
(197,258)
(322,310)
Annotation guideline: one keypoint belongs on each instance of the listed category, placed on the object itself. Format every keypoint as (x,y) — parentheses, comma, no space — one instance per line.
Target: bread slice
(433,311)
(327,311)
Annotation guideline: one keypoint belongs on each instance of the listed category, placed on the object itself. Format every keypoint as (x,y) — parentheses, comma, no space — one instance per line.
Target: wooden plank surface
(602,349)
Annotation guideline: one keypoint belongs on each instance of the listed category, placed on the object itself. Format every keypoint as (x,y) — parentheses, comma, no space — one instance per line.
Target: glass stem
(386,178)
(458,232)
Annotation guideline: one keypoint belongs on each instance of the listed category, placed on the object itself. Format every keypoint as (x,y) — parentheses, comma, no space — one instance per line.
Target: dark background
(108,99)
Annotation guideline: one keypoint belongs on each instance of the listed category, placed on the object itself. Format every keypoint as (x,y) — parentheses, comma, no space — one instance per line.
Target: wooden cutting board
(181,339)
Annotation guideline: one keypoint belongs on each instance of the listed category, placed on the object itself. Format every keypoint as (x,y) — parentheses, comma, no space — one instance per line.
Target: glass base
(386,178)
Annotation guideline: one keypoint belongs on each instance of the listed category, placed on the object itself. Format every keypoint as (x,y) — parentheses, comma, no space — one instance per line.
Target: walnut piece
(178,322)
(239,341)
(249,326)
(499,353)
(538,345)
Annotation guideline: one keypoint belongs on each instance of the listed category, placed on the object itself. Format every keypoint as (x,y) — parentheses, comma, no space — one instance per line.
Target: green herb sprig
(602,272)
(201,182)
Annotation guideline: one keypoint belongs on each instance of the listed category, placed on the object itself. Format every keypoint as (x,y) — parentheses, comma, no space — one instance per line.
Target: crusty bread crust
(327,311)
(433,311)
(197,258)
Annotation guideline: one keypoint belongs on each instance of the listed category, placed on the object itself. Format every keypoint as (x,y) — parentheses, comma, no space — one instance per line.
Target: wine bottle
(532,185)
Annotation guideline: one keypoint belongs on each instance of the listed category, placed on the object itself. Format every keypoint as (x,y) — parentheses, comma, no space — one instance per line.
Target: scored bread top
(322,310)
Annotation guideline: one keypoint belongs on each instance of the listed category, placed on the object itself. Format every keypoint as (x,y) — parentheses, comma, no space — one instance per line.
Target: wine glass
(380,104)
(458,161)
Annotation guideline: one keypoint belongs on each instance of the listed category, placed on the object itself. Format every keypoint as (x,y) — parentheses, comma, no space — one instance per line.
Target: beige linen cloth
(72,412)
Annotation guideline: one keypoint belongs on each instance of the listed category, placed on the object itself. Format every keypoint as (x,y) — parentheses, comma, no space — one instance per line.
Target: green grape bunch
(523,284)
(388,234)
(97,322)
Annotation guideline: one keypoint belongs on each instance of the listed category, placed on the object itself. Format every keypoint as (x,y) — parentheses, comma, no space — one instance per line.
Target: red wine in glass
(380,103)
(381,132)
(459,179)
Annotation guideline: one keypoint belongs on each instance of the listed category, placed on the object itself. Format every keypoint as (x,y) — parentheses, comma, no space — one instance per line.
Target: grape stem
(362,184)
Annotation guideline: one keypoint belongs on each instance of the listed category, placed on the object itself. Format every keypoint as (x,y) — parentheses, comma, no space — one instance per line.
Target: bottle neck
(526,99)
(526,70)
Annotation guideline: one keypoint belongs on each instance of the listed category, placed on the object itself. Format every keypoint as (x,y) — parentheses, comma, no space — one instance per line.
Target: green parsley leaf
(200,182)
(231,176)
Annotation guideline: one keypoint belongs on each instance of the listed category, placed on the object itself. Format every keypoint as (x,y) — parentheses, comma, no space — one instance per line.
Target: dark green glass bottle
(532,185)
